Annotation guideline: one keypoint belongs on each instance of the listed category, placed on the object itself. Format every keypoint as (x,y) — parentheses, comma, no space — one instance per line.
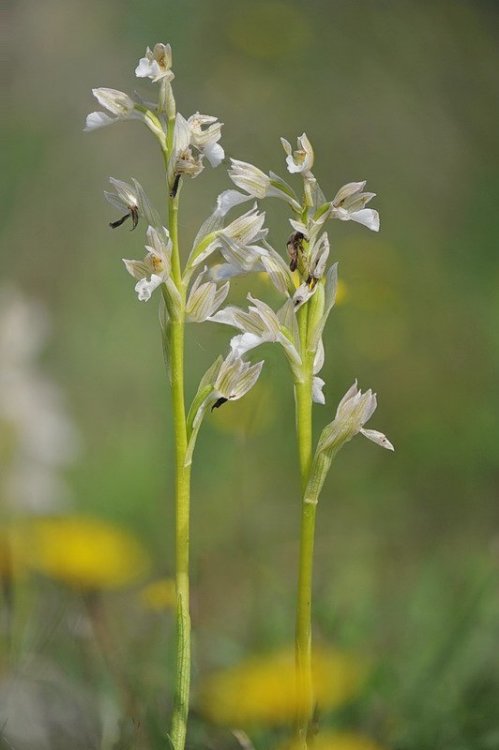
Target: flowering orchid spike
(349,204)
(300,161)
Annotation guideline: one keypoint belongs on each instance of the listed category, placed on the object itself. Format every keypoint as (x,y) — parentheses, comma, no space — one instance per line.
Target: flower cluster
(185,141)
(223,250)
(305,279)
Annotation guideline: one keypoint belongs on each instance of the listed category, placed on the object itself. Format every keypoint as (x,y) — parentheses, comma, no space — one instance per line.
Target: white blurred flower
(36,436)
(349,204)
(302,160)
(156,64)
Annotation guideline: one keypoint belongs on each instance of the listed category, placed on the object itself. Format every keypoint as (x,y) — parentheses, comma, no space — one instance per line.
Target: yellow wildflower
(159,595)
(339,741)
(262,690)
(83,552)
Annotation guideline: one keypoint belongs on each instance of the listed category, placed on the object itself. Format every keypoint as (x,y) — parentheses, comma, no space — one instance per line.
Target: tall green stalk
(182,489)
(303,635)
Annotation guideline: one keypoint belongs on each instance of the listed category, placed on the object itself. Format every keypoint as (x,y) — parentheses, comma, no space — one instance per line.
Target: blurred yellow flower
(81,551)
(339,741)
(159,595)
(262,690)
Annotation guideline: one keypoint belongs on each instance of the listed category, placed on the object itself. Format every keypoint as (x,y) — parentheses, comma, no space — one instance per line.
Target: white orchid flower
(235,378)
(133,202)
(349,204)
(259,185)
(205,298)
(302,160)
(155,269)
(156,64)
(246,230)
(354,410)
(226,380)
(117,103)
(249,178)
(206,131)
(259,325)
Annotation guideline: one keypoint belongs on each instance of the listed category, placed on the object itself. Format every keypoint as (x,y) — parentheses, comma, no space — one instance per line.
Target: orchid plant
(187,294)
(309,288)
(195,292)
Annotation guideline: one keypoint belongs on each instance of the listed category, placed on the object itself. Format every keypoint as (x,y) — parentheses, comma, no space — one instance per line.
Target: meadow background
(403,94)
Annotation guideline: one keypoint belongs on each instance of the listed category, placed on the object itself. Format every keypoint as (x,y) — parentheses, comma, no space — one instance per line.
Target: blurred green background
(403,94)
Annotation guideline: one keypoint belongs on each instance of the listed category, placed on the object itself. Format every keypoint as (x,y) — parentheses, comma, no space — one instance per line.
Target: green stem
(303,637)
(182,498)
